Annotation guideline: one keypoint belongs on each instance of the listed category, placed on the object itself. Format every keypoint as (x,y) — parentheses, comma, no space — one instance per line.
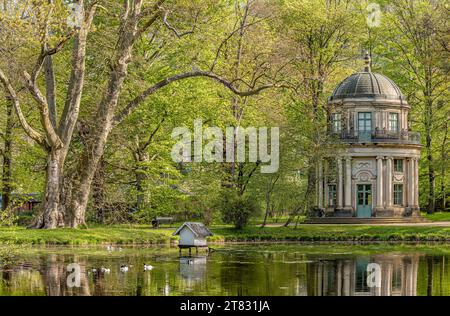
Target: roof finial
(367,61)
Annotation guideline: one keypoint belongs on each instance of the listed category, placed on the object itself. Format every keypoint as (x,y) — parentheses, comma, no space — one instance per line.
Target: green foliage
(164,201)
(7,217)
(438,216)
(237,209)
(8,255)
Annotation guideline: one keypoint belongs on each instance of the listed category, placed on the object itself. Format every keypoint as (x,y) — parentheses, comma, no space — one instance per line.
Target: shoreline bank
(140,235)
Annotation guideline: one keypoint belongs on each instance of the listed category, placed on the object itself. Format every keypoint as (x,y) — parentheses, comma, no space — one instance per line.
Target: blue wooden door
(364,200)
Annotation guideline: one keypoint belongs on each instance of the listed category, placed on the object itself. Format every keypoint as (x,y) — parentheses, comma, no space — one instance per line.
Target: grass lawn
(96,235)
(140,234)
(438,216)
(334,233)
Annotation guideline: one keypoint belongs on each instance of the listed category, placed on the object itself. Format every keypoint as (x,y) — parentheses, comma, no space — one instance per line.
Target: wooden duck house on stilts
(192,235)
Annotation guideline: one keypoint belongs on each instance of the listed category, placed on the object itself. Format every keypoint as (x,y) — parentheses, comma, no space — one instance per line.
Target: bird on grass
(123,268)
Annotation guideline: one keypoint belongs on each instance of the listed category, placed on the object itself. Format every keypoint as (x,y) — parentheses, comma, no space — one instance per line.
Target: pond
(256,269)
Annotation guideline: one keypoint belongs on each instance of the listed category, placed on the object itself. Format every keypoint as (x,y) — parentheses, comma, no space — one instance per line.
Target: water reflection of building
(193,268)
(348,277)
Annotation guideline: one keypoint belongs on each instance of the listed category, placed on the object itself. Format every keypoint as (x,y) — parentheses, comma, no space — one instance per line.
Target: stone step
(358,220)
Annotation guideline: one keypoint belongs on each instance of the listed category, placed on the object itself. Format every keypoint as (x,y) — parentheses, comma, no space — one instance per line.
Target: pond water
(266,269)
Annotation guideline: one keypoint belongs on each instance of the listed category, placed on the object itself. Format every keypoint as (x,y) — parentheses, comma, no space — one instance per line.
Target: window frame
(336,121)
(332,195)
(398,194)
(367,117)
(390,121)
(396,161)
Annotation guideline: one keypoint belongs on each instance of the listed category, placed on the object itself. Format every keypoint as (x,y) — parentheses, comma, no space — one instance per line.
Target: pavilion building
(375,173)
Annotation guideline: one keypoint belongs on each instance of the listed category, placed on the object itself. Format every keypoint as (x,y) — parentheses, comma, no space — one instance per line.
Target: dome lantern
(367,61)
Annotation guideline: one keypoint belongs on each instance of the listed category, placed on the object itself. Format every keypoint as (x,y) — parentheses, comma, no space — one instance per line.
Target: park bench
(157,221)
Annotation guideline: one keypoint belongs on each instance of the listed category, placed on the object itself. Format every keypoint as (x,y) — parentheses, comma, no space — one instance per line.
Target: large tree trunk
(51,215)
(7,151)
(82,180)
(104,117)
(99,192)
(141,159)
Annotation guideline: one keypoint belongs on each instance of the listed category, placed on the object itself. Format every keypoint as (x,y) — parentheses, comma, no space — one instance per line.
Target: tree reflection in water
(236,270)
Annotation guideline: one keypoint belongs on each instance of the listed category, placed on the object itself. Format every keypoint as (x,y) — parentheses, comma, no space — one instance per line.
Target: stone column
(410,182)
(380,187)
(348,184)
(416,182)
(340,184)
(388,181)
(320,190)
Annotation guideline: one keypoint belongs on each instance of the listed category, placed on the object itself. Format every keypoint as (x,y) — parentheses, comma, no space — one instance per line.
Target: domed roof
(368,85)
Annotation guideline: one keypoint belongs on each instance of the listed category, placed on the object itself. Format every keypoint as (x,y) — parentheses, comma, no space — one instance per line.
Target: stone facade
(375,173)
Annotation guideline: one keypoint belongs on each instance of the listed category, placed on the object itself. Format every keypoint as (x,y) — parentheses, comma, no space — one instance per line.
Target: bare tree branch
(174,30)
(37,137)
(50,88)
(52,137)
(140,98)
(150,138)
(155,11)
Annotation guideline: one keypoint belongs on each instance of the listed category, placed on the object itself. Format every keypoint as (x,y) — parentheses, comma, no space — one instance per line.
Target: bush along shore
(139,235)
(335,233)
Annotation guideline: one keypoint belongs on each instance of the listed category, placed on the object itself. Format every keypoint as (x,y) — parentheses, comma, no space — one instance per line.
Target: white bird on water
(148,267)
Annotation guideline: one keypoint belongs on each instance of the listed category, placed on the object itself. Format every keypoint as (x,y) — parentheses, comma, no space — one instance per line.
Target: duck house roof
(199,229)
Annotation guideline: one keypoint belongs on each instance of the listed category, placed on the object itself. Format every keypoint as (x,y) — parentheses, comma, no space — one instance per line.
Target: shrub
(7,217)
(237,209)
